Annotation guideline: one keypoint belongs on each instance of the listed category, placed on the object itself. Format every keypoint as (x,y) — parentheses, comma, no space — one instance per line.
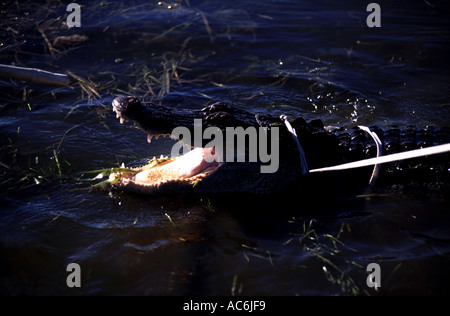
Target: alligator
(198,170)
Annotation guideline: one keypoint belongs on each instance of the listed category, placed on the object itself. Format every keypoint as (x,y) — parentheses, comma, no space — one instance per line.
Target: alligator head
(264,160)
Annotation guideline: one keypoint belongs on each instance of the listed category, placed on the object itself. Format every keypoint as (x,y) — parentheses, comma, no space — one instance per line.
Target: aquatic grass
(49,33)
(236,288)
(160,74)
(333,255)
(170,219)
(257,253)
(16,179)
(20,172)
(57,163)
(87,86)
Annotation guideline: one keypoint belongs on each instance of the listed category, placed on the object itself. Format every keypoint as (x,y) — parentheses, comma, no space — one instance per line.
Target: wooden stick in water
(34,75)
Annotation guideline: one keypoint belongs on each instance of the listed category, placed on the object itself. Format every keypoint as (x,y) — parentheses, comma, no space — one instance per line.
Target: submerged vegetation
(37,35)
(330,251)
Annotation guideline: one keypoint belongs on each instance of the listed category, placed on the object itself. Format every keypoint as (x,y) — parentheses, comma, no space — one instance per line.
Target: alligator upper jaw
(153,119)
(126,108)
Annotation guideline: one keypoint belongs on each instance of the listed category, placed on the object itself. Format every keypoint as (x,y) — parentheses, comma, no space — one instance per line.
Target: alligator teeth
(149,139)
(117,115)
(121,120)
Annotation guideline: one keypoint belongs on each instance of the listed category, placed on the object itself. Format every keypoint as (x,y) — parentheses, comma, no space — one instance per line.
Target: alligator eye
(220,118)
(133,101)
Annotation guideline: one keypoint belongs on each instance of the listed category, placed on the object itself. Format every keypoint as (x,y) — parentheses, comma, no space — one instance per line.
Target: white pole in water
(303,163)
(439,149)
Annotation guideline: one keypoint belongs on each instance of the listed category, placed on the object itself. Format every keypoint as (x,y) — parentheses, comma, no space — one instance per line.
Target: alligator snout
(128,107)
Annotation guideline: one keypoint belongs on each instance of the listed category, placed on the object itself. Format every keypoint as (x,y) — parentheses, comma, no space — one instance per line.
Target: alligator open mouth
(165,174)
(162,174)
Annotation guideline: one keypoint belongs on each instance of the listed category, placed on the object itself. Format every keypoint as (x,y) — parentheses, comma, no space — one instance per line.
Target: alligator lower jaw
(176,175)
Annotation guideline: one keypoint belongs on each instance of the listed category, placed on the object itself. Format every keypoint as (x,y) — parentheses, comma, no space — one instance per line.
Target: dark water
(312,58)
